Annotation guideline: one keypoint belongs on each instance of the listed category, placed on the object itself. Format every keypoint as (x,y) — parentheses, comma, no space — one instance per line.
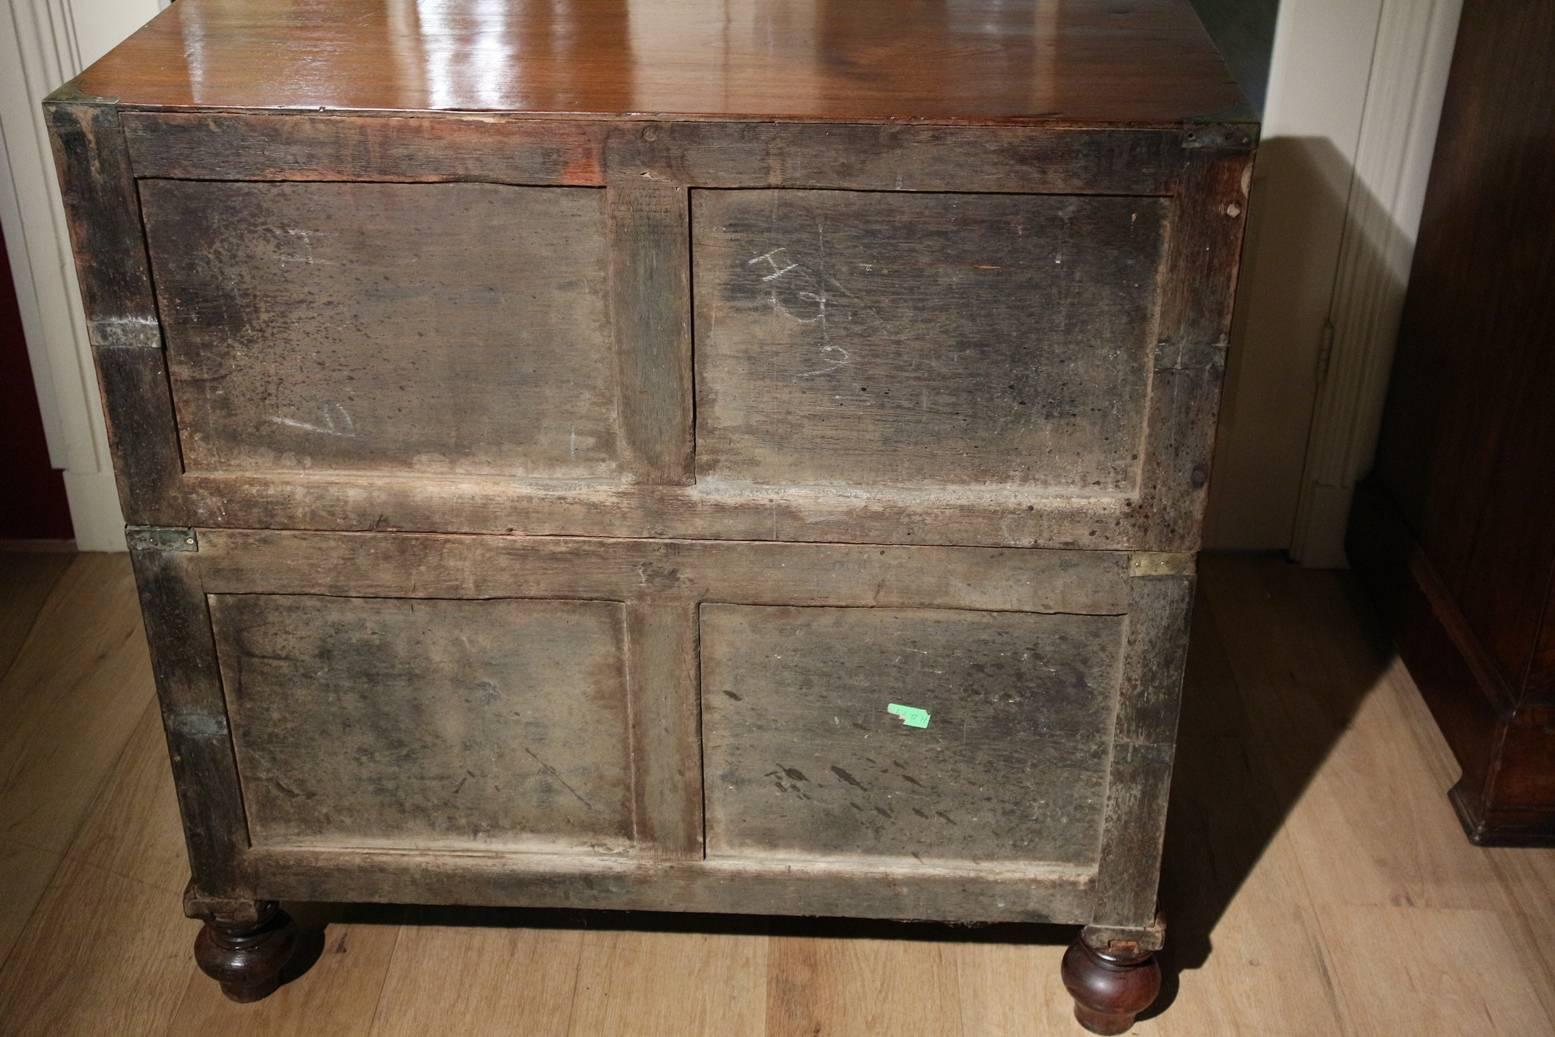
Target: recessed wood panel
(910,339)
(428,328)
(804,760)
(431,723)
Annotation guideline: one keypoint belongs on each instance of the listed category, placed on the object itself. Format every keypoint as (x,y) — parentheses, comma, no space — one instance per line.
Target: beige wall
(1353,98)
(1317,81)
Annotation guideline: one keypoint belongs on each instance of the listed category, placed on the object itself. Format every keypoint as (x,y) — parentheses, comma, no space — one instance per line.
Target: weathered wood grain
(194,715)
(450,724)
(502,148)
(431,565)
(355,620)
(901,157)
(1144,738)
(315,146)
(486,484)
(650,316)
(803,760)
(418,328)
(934,515)
(116,293)
(1051,893)
(1198,291)
(98,191)
(663,673)
(942,340)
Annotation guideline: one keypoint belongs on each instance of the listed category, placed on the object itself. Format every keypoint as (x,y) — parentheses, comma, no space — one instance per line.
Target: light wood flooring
(1317,882)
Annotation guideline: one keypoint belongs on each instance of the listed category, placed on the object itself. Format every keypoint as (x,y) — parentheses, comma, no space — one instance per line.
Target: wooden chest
(637,455)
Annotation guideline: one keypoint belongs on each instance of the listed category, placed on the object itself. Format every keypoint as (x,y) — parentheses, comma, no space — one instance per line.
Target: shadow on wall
(1310,217)
(1243,30)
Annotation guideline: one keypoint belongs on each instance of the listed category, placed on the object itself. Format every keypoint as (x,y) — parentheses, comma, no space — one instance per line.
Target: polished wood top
(1145,62)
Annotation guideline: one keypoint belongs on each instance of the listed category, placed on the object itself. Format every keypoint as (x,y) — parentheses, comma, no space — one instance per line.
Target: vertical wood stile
(1190,360)
(650,306)
(103,213)
(666,725)
(194,712)
(1143,739)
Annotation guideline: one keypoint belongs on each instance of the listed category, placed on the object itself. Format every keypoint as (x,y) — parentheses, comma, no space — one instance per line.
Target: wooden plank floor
(1317,881)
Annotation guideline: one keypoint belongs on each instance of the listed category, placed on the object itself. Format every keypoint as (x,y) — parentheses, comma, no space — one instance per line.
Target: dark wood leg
(1110,984)
(246,950)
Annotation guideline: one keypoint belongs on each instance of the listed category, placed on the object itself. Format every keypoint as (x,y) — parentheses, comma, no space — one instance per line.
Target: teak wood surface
(1139,62)
(544,467)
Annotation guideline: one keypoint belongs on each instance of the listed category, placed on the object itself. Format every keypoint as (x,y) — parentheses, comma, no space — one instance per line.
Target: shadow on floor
(319,915)
(1258,721)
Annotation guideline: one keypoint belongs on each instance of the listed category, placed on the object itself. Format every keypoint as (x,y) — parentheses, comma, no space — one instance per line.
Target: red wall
(32,494)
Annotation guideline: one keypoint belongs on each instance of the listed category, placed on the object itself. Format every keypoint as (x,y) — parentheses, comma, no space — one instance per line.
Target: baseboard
(94,510)
(35,546)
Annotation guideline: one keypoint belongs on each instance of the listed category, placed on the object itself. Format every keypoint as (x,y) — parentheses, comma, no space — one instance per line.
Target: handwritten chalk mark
(335,421)
(779,268)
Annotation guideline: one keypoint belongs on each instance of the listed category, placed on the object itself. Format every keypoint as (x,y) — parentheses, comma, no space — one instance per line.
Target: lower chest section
(878,718)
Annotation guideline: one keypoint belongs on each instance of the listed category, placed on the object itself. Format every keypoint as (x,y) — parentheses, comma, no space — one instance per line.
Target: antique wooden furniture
(1455,531)
(653,455)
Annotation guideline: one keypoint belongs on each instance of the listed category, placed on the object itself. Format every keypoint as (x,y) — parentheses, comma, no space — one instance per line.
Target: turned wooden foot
(246,952)
(1110,987)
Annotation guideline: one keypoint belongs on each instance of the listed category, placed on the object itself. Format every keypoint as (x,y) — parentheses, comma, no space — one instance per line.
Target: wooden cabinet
(1454,533)
(686,495)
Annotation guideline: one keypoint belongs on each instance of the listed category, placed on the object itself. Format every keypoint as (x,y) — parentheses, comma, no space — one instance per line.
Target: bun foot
(246,954)
(1109,988)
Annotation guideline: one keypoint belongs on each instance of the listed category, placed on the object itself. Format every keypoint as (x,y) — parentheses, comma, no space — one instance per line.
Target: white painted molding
(45,43)
(1392,164)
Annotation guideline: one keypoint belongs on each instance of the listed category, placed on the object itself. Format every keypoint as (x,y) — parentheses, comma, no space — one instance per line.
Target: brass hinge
(1161,563)
(160,538)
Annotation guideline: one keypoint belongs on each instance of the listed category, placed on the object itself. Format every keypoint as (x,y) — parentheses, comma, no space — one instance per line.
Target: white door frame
(1410,62)
(1354,96)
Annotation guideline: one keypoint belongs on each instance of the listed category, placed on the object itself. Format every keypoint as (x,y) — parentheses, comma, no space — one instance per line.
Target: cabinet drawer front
(665,724)
(804,757)
(980,336)
(870,338)
(427,724)
(436,329)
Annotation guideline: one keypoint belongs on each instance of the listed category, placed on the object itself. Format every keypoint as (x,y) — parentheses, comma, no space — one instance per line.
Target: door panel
(867,338)
(804,756)
(432,723)
(432,329)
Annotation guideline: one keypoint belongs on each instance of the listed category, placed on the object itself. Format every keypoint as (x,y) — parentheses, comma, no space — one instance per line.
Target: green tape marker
(912,716)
